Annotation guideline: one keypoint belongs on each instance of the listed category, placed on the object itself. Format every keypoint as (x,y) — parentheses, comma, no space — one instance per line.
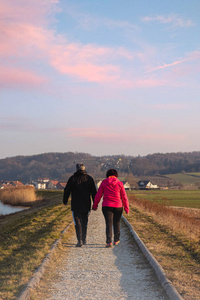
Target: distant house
(52,184)
(40,185)
(45,180)
(126,185)
(6,183)
(16,183)
(61,185)
(146,185)
(1,186)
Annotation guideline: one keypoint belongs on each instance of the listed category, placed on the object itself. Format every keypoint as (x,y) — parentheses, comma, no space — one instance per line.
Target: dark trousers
(112,217)
(80,222)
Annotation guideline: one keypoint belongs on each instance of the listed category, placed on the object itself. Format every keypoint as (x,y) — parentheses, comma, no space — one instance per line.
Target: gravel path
(95,272)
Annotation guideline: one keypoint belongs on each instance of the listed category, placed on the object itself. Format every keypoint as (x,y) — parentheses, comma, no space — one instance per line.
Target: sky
(104,77)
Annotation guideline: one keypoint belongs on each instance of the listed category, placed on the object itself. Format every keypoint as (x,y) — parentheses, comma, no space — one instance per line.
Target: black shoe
(84,242)
(79,244)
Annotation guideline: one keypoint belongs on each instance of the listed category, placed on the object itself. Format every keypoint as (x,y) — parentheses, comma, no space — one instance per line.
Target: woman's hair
(111,172)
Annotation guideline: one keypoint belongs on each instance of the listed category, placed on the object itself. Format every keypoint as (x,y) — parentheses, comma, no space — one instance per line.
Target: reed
(22,195)
(172,236)
(176,220)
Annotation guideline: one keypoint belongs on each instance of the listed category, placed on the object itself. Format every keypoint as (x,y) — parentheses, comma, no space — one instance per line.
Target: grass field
(181,198)
(45,194)
(26,237)
(176,251)
(186,178)
(172,235)
(194,174)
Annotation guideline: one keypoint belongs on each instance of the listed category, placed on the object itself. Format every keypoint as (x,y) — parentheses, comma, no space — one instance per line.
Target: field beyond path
(95,272)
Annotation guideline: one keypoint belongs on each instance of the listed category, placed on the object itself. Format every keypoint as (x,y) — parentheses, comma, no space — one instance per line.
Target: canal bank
(26,238)
(6,209)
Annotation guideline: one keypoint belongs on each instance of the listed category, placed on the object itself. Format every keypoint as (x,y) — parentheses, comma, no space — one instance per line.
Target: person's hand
(94,209)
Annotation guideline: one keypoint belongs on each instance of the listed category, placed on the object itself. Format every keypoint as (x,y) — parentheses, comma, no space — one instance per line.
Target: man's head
(80,167)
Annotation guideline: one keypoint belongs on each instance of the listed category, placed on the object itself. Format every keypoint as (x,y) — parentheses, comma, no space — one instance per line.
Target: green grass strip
(26,238)
(181,198)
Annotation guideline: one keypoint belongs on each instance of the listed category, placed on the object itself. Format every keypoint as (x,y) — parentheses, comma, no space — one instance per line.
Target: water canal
(6,209)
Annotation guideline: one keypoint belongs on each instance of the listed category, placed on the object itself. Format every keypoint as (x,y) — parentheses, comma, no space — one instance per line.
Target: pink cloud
(29,12)
(98,134)
(90,72)
(25,37)
(11,77)
(87,62)
(22,42)
(168,65)
(191,66)
(111,135)
(180,72)
(190,58)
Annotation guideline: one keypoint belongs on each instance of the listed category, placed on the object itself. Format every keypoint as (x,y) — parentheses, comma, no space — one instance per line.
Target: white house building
(146,185)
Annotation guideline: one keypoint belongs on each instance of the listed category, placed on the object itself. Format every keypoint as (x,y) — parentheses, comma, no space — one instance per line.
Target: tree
(131,180)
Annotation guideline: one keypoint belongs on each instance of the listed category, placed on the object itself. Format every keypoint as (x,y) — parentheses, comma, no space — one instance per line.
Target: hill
(58,166)
(186,178)
(61,165)
(169,163)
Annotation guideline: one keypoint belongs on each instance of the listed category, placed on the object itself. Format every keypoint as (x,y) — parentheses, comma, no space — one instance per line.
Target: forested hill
(61,165)
(169,163)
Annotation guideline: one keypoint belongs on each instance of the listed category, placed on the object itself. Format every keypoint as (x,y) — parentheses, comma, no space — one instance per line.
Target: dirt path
(95,272)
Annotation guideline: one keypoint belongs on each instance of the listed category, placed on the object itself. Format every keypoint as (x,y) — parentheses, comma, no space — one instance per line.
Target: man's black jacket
(81,186)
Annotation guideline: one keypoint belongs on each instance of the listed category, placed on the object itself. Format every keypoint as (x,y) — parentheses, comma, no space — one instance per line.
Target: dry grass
(26,237)
(172,235)
(175,219)
(22,195)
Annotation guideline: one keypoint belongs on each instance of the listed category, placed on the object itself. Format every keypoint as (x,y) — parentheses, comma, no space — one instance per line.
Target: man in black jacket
(81,186)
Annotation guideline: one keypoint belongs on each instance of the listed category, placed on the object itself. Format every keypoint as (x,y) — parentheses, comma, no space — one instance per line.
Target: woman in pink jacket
(114,199)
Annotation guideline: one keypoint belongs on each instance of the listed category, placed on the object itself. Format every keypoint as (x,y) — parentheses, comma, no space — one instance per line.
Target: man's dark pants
(81,221)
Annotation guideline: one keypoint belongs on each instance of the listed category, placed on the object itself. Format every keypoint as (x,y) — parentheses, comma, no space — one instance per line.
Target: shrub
(18,195)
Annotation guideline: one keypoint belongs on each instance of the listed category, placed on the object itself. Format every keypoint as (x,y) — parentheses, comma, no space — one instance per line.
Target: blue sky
(102,77)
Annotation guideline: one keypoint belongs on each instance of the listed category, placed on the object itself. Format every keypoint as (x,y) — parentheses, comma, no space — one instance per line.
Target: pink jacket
(113,193)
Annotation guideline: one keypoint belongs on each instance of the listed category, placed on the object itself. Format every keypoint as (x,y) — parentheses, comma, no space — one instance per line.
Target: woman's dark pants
(112,217)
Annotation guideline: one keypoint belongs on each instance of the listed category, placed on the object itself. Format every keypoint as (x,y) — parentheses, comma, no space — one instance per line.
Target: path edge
(34,281)
(160,273)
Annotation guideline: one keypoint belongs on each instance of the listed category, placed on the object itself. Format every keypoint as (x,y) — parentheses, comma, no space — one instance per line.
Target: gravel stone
(95,272)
